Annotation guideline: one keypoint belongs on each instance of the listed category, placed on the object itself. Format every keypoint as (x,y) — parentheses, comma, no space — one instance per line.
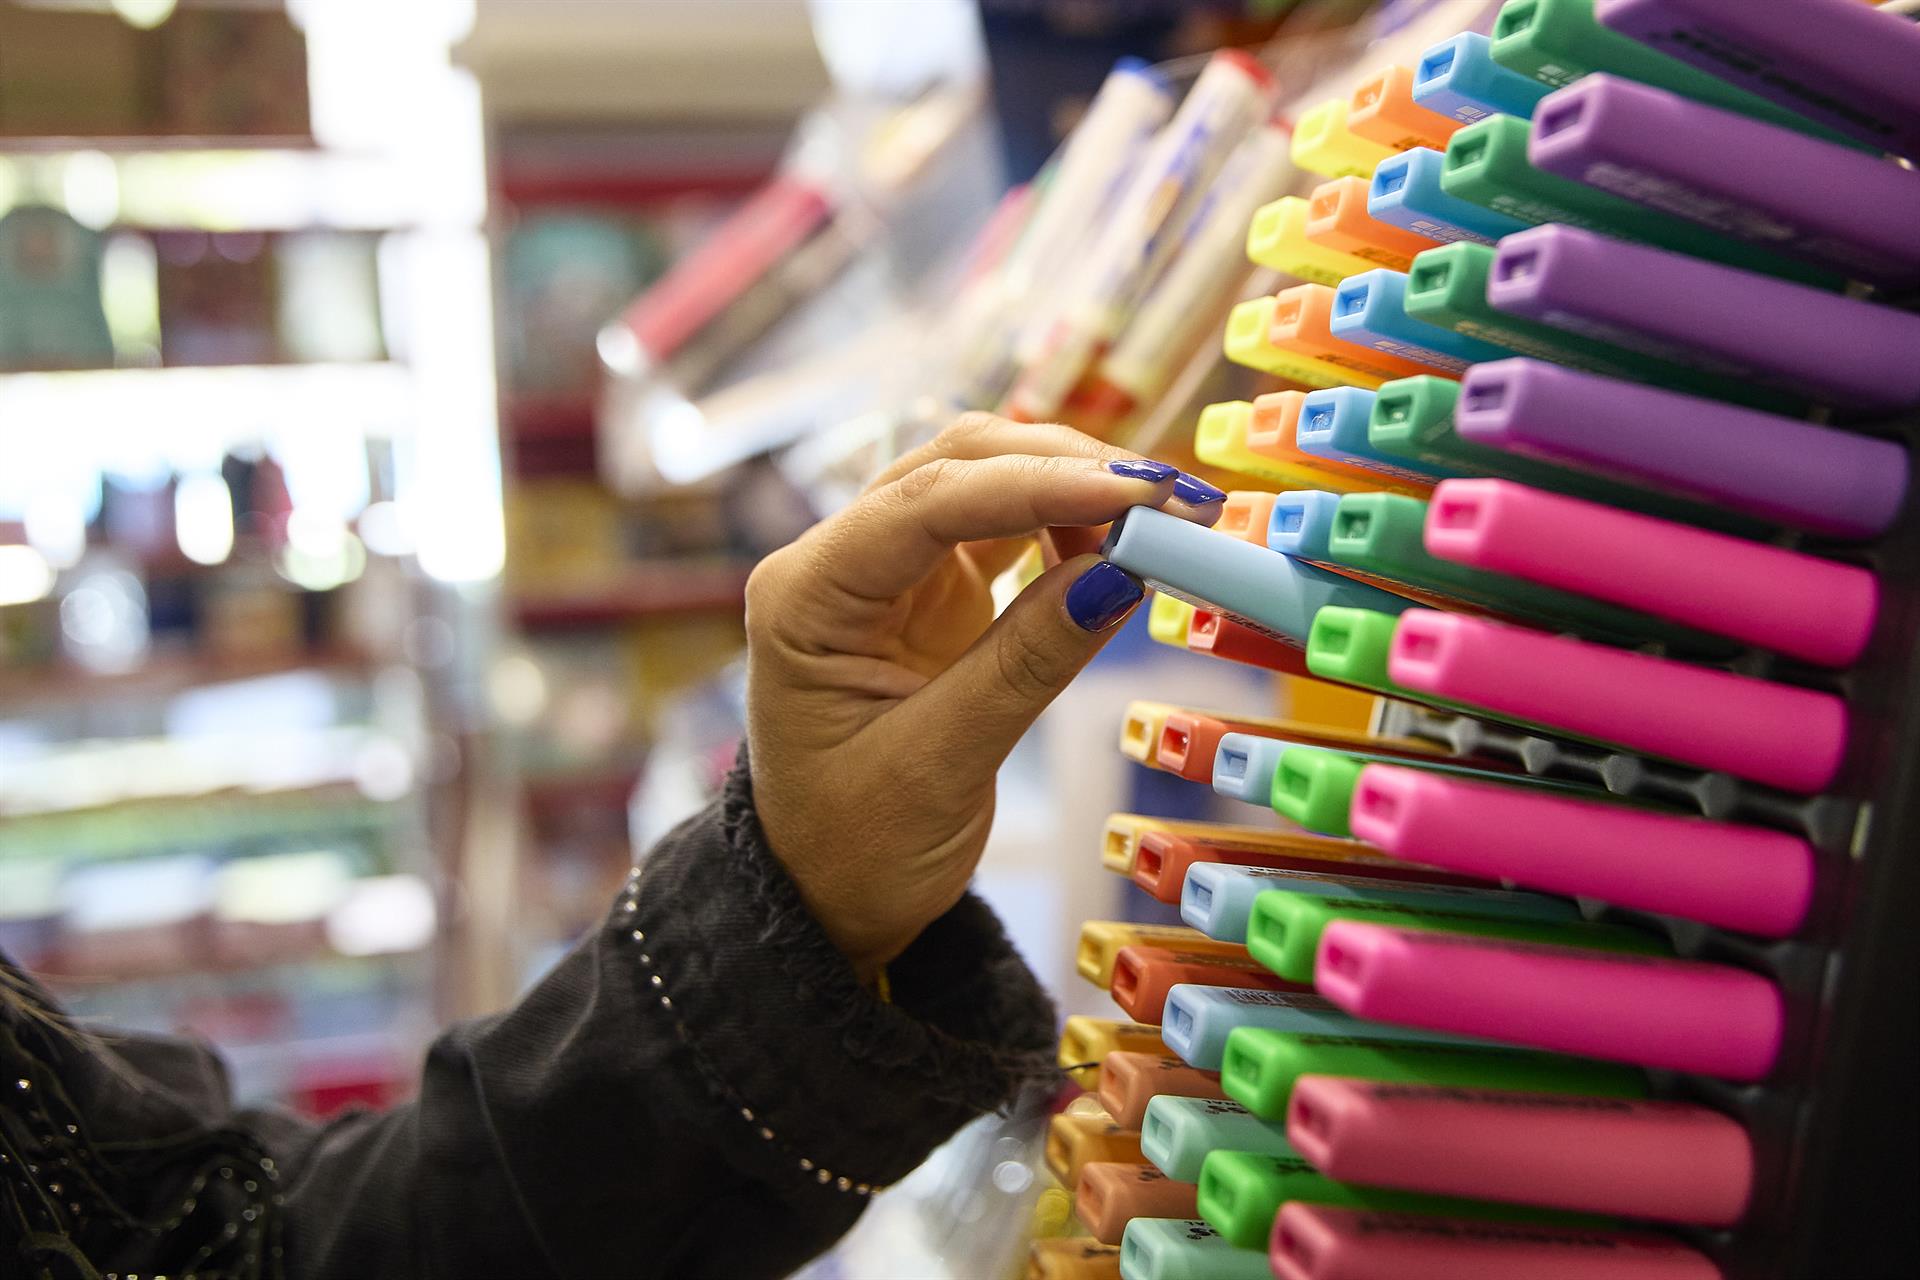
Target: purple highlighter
(1730,322)
(1835,61)
(1756,182)
(1782,470)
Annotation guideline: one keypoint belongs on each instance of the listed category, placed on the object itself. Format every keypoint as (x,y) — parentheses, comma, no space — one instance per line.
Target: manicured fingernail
(1198,492)
(1101,596)
(1144,469)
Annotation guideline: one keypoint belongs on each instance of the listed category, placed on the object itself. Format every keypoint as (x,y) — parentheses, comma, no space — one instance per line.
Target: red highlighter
(1665,1161)
(1161,867)
(1142,976)
(1223,637)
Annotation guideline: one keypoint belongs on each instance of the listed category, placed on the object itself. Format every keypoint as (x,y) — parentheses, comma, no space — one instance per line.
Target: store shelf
(163,825)
(643,591)
(141,144)
(31,687)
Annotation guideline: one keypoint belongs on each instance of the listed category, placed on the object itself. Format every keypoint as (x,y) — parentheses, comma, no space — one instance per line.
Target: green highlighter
(1447,286)
(1385,534)
(1351,646)
(1558,41)
(1176,1133)
(1262,1064)
(1241,1193)
(1284,931)
(1313,786)
(1187,1249)
(1486,164)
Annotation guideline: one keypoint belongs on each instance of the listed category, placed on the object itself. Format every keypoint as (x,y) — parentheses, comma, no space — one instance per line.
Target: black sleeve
(701,1088)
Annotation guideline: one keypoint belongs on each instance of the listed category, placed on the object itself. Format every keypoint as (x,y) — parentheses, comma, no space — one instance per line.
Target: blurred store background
(394,395)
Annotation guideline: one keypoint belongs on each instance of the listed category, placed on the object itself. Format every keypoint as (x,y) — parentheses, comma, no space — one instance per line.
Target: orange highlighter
(1075,1139)
(1112,1195)
(1142,976)
(1272,433)
(1129,1081)
(1337,218)
(1382,110)
(1303,322)
(1073,1258)
(1162,869)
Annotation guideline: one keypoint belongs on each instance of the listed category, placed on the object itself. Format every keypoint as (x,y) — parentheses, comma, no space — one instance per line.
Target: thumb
(991,694)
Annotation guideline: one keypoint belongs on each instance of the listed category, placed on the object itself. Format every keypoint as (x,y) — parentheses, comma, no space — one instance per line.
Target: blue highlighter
(1370,309)
(1243,580)
(1198,1020)
(1334,424)
(1217,898)
(1459,79)
(1244,765)
(1301,525)
(1406,192)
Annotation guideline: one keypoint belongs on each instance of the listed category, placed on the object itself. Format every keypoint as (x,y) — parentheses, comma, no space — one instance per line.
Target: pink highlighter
(1683,1015)
(1753,879)
(1322,1242)
(1800,605)
(1665,1161)
(1773,733)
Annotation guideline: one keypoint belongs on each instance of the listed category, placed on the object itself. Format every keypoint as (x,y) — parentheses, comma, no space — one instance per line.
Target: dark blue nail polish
(1101,596)
(1198,492)
(1143,469)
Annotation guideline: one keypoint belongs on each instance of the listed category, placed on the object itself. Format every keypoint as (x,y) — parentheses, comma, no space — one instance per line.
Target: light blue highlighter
(1243,767)
(1459,79)
(1405,192)
(1370,309)
(1334,424)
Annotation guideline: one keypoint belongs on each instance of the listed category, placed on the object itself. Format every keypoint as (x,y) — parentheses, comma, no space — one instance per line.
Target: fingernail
(1101,596)
(1144,469)
(1198,492)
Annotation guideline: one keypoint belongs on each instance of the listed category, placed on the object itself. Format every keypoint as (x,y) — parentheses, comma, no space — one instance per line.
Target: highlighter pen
(1101,941)
(1252,584)
(1262,1067)
(1352,646)
(1075,1258)
(1323,144)
(1370,310)
(1140,728)
(1840,64)
(1486,164)
(1177,1133)
(1277,240)
(1328,1242)
(1667,1161)
(1385,535)
(1752,879)
(1448,287)
(1682,1015)
(1170,620)
(1120,842)
(1142,976)
(1218,899)
(1220,440)
(1223,842)
(1805,607)
(1558,41)
(1732,322)
(1459,78)
(1781,470)
(1112,1195)
(1245,515)
(1301,523)
(1335,424)
(1303,322)
(1129,1081)
(1243,768)
(1241,1192)
(1085,1041)
(1844,210)
(1406,192)
(1274,430)
(1249,342)
(1075,1139)
(1381,109)
(1337,217)
(1414,418)
(1285,929)
(1314,787)
(1167,862)
(1185,1249)
(1188,739)
(1778,734)
(1235,641)
(1198,1020)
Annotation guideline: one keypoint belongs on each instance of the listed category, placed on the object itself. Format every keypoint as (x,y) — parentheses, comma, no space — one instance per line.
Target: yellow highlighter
(1323,144)
(1120,843)
(1249,341)
(1220,440)
(1140,728)
(1075,1140)
(1169,619)
(1277,240)
(1085,1043)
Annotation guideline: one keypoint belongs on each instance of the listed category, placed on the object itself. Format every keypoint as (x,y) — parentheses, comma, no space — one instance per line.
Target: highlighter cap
(1243,767)
(1333,420)
(1169,620)
(1351,645)
(1459,78)
(1412,411)
(1301,523)
(1315,789)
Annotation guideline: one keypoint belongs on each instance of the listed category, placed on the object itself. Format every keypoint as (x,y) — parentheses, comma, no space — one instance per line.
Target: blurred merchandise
(50,280)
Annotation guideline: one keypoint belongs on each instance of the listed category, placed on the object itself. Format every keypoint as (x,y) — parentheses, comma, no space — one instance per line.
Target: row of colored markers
(1568,296)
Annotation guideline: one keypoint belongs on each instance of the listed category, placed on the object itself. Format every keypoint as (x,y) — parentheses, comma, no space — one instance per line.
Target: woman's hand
(883,695)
